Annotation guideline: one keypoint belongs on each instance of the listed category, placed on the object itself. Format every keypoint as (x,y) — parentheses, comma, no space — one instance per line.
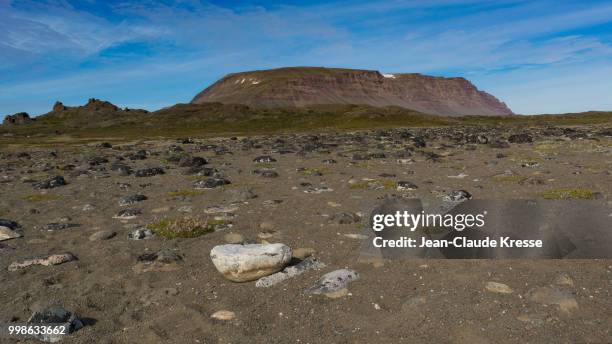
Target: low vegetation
(215,119)
(557,194)
(186,227)
(386,184)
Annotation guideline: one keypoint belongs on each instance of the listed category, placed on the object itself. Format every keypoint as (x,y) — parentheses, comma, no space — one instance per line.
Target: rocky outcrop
(16,119)
(58,106)
(305,86)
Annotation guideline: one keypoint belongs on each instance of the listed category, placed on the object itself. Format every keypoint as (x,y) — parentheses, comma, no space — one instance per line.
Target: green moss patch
(184,193)
(181,228)
(503,178)
(568,194)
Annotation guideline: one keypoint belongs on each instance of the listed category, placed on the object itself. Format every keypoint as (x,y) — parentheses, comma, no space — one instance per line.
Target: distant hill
(306,86)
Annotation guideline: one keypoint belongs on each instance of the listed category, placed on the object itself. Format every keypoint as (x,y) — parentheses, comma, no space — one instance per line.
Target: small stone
(356,236)
(140,234)
(185,209)
(404,186)
(55,316)
(54,259)
(242,195)
(264,159)
(333,283)
(499,288)
(307,264)
(102,235)
(223,315)
(128,200)
(458,196)
(149,172)
(128,214)
(163,256)
(303,252)
(234,238)
(243,263)
(211,183)
(50,183)
(345,218)
(51,227)
(7,233)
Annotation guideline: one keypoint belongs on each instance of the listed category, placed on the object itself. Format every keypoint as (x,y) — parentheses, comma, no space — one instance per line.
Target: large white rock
(243,263)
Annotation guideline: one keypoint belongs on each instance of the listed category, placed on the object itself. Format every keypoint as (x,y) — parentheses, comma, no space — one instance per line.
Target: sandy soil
(414,301)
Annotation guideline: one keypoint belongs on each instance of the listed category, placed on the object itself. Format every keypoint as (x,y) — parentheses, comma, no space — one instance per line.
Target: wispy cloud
(138,51)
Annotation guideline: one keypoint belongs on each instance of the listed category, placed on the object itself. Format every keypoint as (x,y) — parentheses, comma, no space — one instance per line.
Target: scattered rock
(51,183)
(499,288)
(520,138)
(9,230)
(55,316)
(149,172)
(162,260)
(242,195)
(458,196)
(266,173)
(102,235)
(243,263)
(303,252)
(129,200)
(335,283)
(140,234)
(264,159)
(345,218)
(318,190)
(267,225)
(309,263)
(211,183)
(192,162)
(356,236)
(51,227)
(404,185)
(54,259)
(128,214)
(234,238)
(223,315)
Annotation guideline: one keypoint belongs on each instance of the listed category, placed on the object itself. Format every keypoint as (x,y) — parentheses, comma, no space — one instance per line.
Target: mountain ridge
(305,86)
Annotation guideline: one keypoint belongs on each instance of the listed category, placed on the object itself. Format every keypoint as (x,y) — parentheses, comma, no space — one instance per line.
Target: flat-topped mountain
(305,86)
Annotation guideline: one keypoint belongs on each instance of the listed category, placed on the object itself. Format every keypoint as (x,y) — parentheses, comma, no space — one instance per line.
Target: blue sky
(537,56)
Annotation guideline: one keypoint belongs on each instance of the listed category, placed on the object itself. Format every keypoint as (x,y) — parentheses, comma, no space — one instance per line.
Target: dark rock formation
(18,118)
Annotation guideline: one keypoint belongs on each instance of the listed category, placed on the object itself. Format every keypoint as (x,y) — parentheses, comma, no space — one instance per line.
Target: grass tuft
(186,227)
(184,193)
(568,194)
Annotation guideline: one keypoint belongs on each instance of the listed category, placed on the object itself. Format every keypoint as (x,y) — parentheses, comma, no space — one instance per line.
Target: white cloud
(507,39)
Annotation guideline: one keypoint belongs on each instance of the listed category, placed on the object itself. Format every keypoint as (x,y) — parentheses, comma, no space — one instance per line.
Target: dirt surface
(122,299)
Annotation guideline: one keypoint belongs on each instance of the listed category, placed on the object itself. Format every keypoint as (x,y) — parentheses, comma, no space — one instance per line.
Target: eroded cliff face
(302,86)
